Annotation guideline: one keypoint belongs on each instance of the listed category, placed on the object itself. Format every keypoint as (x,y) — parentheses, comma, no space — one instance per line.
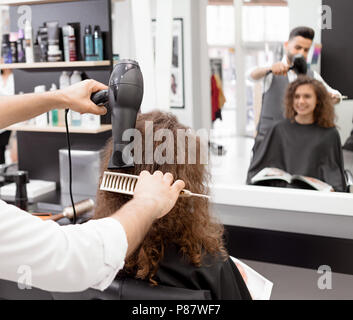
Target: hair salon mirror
(241,76)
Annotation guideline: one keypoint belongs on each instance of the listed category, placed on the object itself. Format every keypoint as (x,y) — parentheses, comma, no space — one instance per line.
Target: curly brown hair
(189,225)
(324,113)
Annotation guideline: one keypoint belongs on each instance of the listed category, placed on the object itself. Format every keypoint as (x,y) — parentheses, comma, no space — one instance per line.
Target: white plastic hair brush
(126,183)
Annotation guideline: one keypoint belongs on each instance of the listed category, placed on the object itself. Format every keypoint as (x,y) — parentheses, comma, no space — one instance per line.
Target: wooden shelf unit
(28,128)
(38,147)
(26,2)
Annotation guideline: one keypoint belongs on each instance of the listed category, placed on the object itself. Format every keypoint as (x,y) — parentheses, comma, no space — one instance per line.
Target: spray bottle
(29,42)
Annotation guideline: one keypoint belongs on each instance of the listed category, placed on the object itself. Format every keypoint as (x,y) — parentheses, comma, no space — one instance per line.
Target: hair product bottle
(21,55)
(54,52)
(13,45)
(66,42)
(72,44)
(53,114)
(88,40)
(69,43)
(6,48)
(98,43)
(29,42)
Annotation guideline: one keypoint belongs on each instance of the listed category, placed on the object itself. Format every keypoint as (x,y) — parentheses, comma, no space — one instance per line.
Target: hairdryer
(299,65)
(124,98)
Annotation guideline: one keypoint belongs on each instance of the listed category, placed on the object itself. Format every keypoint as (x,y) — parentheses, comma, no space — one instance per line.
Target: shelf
(103,128)
(20,2)
(63,64)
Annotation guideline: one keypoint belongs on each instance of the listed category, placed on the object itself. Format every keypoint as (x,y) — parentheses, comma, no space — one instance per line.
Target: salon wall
(305,13)
(123,35)
(197,111)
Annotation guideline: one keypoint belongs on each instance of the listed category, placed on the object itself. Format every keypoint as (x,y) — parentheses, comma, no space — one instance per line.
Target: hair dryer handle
(100,97)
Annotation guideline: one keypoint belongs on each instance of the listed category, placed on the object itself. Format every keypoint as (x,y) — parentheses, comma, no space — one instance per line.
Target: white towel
(259,287)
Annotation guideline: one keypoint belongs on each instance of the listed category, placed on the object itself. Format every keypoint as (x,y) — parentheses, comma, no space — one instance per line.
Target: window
(265,23)
(220,25)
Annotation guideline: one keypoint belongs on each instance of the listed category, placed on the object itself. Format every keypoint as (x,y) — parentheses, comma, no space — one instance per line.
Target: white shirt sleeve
(328,88)
(59,258)
(267,80)
(7,89)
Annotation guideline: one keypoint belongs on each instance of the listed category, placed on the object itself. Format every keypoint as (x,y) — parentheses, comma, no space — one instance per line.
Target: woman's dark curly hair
(324,113)
(189,225)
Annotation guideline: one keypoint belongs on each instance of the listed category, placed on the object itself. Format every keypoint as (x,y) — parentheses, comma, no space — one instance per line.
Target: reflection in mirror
(306,144)
(263,44)
(267,50)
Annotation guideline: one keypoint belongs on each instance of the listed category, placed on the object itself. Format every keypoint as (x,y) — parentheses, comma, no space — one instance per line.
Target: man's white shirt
(60,258)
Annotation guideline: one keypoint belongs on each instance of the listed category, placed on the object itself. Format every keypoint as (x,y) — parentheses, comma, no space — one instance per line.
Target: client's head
(189,225)
(307,99)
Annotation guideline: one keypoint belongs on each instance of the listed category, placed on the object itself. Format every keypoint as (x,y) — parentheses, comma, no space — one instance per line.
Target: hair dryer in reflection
(124,98)
(299,65)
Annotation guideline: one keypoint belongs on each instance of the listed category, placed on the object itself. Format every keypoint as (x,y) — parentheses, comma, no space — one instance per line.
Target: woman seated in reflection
(184,249)
(307,142)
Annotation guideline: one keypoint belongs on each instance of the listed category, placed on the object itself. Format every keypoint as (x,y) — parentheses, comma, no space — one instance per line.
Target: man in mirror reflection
(278,76)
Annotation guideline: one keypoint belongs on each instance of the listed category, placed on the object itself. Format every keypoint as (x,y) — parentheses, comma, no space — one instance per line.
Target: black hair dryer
(300,67)
(124,97)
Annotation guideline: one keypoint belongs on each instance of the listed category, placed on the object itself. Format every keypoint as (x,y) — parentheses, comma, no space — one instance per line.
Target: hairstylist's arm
(259,73)
(154,196)
(77,97)
(278,69)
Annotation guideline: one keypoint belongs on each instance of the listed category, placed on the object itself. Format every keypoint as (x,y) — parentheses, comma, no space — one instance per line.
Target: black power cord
(70,165)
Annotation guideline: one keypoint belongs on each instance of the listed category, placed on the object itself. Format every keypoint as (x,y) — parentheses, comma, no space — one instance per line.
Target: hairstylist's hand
(279,69)
(78,97)
(160,189)
(336,98)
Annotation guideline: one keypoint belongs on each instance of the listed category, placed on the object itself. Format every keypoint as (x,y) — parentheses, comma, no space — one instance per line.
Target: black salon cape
(307,150)
(221,277)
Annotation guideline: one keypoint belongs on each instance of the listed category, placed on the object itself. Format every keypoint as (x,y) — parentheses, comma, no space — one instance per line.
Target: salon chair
(126,289)
(349,180)
(348,145)
(4,140)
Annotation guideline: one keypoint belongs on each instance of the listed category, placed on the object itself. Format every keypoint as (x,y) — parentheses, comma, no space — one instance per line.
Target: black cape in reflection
(307,150)
(222,278)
